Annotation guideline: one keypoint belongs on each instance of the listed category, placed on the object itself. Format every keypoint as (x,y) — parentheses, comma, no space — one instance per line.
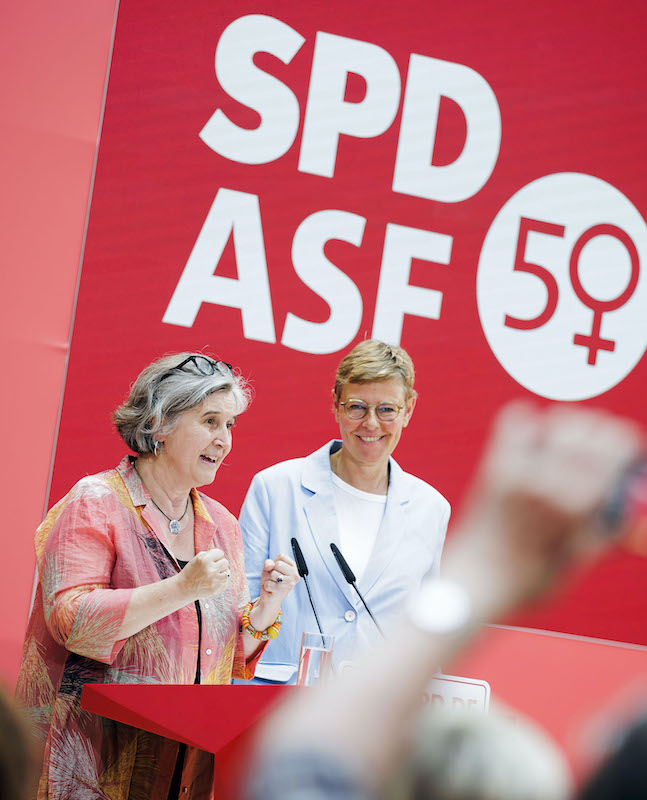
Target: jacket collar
(317,473)
(320,511)
(205,528)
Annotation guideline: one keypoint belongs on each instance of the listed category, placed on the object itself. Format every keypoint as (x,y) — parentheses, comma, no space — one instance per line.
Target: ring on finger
(279,579)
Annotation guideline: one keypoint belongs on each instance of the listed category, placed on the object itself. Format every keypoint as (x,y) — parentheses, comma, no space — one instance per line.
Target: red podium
(218,719)
(574,687)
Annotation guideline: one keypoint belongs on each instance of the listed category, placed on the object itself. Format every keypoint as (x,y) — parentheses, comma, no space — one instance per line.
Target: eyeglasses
(358,409)
(203,364)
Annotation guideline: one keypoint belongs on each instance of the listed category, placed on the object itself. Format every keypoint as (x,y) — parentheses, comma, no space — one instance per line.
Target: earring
(156,448)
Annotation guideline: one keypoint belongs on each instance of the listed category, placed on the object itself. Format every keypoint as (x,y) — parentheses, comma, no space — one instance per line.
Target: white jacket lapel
(321,513)
(391,532)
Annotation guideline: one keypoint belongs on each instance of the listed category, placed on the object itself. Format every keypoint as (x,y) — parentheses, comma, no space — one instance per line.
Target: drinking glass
(315,660)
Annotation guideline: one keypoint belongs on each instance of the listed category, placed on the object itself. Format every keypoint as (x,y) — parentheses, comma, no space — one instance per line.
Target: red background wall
(569,84)
(53,61)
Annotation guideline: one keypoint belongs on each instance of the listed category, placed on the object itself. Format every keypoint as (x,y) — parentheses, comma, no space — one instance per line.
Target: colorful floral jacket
(95,546)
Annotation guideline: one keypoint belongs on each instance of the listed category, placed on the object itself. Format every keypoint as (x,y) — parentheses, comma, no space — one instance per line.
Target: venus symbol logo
(561,294)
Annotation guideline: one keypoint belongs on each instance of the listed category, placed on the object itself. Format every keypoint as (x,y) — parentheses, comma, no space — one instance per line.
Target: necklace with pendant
(173,524)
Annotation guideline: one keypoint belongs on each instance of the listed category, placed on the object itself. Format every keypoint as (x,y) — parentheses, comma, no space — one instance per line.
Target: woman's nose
(223,435)
(371,419)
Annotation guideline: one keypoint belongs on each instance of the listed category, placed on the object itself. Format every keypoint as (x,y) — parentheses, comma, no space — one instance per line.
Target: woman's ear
(335,405)
(408,411)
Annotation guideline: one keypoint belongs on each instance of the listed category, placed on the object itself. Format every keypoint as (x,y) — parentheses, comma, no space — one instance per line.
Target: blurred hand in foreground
(534,506)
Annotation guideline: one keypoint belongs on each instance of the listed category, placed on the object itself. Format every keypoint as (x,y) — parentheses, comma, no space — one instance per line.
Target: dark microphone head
(302,567)
(343,565)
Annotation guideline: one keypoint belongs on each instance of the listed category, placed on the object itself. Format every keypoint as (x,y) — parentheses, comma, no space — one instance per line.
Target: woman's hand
(278,578)
(206,575)
(535,507)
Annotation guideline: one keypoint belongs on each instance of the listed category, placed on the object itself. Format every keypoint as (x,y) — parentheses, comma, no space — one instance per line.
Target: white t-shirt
(360,516)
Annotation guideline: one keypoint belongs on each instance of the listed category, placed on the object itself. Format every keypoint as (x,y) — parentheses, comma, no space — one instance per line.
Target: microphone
(302,569)
(350,577)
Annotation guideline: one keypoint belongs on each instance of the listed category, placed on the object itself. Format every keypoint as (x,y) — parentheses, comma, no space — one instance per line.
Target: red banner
(465,180)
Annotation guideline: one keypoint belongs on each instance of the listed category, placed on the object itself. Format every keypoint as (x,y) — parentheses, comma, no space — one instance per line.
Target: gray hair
(162,392)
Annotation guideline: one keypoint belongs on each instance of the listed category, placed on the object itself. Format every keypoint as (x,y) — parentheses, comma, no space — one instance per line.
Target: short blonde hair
(372,360)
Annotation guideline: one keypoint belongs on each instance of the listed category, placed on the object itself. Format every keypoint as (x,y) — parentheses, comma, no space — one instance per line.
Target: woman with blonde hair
(389,525)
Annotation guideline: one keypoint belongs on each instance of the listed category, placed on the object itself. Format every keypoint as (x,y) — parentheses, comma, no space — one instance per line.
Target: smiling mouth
(370,439)
(208,459)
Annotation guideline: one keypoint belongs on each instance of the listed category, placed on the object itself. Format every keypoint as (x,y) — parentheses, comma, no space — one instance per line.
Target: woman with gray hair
(142,580)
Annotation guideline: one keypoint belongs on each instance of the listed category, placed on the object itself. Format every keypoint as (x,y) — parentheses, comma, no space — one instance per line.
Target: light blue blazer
(296,498)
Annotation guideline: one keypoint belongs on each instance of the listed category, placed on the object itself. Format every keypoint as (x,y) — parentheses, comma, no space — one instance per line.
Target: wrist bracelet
(269,633)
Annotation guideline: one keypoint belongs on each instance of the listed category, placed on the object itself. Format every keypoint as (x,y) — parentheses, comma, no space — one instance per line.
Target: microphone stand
(302,569)
(350,578)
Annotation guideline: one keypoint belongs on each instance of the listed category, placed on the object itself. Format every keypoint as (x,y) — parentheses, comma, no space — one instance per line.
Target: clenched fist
(206,575)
